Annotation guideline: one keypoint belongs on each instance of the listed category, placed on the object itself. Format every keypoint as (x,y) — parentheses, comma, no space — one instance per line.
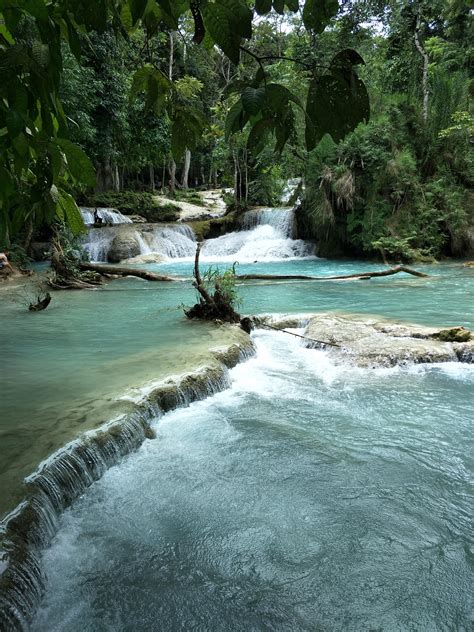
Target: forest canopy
(112,95)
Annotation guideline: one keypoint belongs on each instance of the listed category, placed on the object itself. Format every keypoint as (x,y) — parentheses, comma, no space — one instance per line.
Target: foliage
(225,280)
(133,203)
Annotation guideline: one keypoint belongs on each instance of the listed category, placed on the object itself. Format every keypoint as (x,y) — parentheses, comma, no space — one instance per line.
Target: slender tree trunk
(426,60)
(172,172)
(152,177)
(187,166)
(163,177)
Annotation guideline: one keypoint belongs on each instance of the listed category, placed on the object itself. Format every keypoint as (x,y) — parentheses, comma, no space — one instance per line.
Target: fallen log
(342,277)
(124,271)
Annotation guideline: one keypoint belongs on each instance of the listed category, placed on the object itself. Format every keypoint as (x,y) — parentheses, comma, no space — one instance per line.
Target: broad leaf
(137,9)
(78,163)
(252,99)
(336,104)
(263,6)
(220,22)
(318,13)
(68,211)
(258,135)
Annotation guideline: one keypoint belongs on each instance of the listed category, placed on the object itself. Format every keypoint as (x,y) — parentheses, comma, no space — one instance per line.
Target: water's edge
(63,477)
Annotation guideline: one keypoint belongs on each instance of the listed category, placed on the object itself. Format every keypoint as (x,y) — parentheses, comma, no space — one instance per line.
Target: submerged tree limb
(360,275)
(124,271)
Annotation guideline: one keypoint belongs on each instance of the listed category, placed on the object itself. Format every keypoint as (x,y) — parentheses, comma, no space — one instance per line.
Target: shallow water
(309,496)
(63,369)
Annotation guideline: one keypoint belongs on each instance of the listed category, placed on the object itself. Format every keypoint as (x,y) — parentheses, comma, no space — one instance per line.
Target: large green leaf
(242,16)
(186,130)
(78,163)
(252,99)
(235,119)
(279,6)
(68,211)
(258,135)
(263,6)
(293,5)
(318,13)
(137,9)
(337,102)
(220,23)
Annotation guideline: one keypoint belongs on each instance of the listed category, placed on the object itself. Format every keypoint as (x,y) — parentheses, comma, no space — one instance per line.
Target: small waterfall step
(107,215)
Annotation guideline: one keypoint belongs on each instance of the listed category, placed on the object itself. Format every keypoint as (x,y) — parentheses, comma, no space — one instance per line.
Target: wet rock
(456,334)
(152,257)
(124,246)
(370,343)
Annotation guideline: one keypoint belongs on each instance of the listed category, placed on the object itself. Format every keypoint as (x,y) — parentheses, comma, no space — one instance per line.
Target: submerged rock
(124,246)
(151,257)
(370,343)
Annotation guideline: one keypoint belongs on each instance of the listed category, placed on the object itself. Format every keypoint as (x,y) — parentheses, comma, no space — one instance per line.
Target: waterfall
(266,235)
(63,477)
(281,219)
(108,216)
(98,242)
(174,242)
(171,241)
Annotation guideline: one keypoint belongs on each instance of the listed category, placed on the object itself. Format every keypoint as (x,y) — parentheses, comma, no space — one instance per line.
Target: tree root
(215,307)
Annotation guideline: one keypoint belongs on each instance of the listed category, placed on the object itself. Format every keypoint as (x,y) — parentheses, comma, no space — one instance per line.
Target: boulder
(369,343)
(124,246)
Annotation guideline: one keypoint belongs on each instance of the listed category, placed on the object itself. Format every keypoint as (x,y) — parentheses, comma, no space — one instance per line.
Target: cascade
(172,241)
(266,235)
(63,477)
(108,215)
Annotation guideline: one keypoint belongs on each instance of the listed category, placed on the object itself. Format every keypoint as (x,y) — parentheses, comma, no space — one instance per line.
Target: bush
(134,203)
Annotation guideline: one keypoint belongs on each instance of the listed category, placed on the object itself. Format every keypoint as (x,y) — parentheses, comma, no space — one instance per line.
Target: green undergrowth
(145,204)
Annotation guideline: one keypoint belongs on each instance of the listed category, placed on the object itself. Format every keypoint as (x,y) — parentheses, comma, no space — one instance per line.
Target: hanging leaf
(78,163)
(338,101)
(137,9)
(242,16)
(258,135)
(318,13)
(252,99)
(236,119)
(263,6)
(219,21)
(186,131)
(279,6)
(68,211)
(293,5)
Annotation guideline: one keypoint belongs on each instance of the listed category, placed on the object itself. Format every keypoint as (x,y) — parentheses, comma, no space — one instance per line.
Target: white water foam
(108,216)
(172,242)
(266,236)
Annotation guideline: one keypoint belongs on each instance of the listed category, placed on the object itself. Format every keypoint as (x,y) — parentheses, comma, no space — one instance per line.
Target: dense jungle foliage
(105,97)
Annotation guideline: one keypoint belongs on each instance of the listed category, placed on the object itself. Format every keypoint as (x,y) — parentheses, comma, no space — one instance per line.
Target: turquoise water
(63,369)
(309,496)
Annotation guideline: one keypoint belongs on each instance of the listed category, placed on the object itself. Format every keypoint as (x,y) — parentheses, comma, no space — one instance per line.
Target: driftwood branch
(124,271)
(360,275)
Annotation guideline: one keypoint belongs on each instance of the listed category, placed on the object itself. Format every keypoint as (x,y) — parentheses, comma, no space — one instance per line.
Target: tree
(40,165)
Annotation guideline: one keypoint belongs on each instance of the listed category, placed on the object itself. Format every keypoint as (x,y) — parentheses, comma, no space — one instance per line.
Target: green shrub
(134,203)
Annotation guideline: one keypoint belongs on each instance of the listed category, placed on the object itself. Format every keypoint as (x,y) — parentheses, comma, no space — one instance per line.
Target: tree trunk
(104,177)
(187,166)
(360,275)
(172,172)
(426,61)
(152,178)
(124,271)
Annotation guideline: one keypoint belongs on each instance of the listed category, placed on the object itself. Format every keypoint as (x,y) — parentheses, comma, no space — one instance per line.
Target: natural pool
(306,497)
